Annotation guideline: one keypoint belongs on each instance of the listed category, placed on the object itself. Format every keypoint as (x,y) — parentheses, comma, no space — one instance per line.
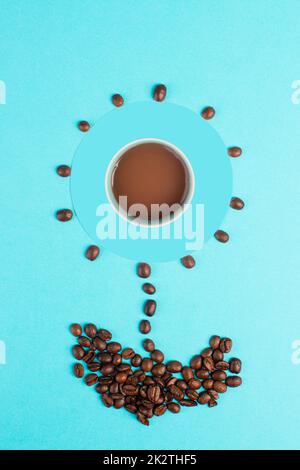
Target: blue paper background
(61,60)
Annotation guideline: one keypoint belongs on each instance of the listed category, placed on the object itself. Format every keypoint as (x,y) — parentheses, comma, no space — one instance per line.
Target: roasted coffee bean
(219,375)
(202,374)
(213,394)
(148,345)
(105,357)
(150,308)
(107,400)
(136,360)
(90,330)
(181,384)
(159,410)
(226,345)
(131,408)
(89,356)
(149,288)
(144,270)
(132,380)
(114,388)
(188,262)
(217,355)
(113,347)
(130,390)
(64,215)
(92,252)
(105,335)
(204,398)
(121,377)
(187,373)
(142,419)
(119,403)
(84,126)
(188,403)
(124,368)
(196,362)
(149,381)
(194,384)
(147,364)
(117,359)
(174,366)
(207,352)
(105,380)
(208,384)
(78,352)
(234,381)
(237,203)
(63,170)
(153,393)
(221,236)
(222,365)
(84,342)
(93,366)
(208,112)
(235,365)
(91,379)
(158,370)
(128,353)
(145,327)
(117,100)
(160,92)
(212,403)
(107,369)
(157,355)
(99,344)
(76,329)
(101,388)
(219,387)
(214,341)
(173,407)
(192,394)
(208,363)
(177,393)
(234,152)
(78,370)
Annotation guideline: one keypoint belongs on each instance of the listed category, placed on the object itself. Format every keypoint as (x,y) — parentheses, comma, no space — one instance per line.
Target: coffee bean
(194,384)
(142,419)
(160,92)
(64,215)
(147,364)
(105,335)
(105,357)
(89,356)
(158,370)
(78,370)
(235,365)
(181,384)
(145,327)
(124,367)
(173,407)
(119,403)
(130,390)
(84,342)
(63,170)
(144,270)
(128,353)
(149,288)
(237,203)
(91,379)
(212,403)
(93,366)
(150,307)
(121,377)
(113,347)
(219,375)
(213,394)
(99,344)
(177,393)
(78,352)
(196,362)
(208,363)
(153,393)
(107,369)
(226,345)
(157,355)
(187,373)
(90,330)
(92,252)
(114,387)
(234,381)
(207,352)
(117,100)
(116,359)
(219,387)
(202,374)
(208,384)
(148,345)
(188,262)
(136,360)
(100,388)
(159,410)
(234,152)
(221,236)
(204,398)
(188,403)
(84,126)
(217,355)
(192,394)
(107,400)
(174,366)
(222,365)
(214,341)
(208,112)
(76,329)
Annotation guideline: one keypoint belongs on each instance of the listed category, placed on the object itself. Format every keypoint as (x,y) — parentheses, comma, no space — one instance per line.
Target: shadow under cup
(149,182)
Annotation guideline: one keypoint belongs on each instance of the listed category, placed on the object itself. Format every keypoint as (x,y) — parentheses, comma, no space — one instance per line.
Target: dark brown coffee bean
(235,365)
(136,360)
(212,403)
(222,365)
(234,381)
(192,394)
(105,357)
(131,408)
(234,152)
(147,364)
(128,353)
(207,352)
(89,356)
(153,393)
(119,403)
(93,366)
(188,262)
(221,236)
(117,100)
(157,355)
(237,203)
(204,398)
(91,379)
(169,381)
(76,329)
(160,92)
(84,342)
(194,384)
(124,368)
(150,308)
(187,373)
(144,270)
(217,355)
(149,381)
(149,288)
(219,387)
(174,366)
(63,170)
(113,347)
(78,370)
(196,362)
(213,394)
(105,380)
(148,345)
(100,388)
(214,341)
(145,327)
(107,369)
(114,387)
(117,359)
(219,375)
(107,400)
(208,112)
(174,407)
(208,363)
(188,403)
(202,374)
(92,252)
(90,330)
(225,345)
(78,352)
(208,384)
(105,335)
(130,390)
(158,370)
(142,419)
(159,410)
(181,384)
(64,215)
(99,344)
(177,393)
(84,126)
(121,377)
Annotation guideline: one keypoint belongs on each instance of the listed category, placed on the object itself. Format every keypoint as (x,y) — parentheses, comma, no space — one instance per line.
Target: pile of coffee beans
(144,271)
(151,386)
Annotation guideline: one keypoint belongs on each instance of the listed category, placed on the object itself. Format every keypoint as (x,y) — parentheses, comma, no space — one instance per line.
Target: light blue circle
(176,124)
